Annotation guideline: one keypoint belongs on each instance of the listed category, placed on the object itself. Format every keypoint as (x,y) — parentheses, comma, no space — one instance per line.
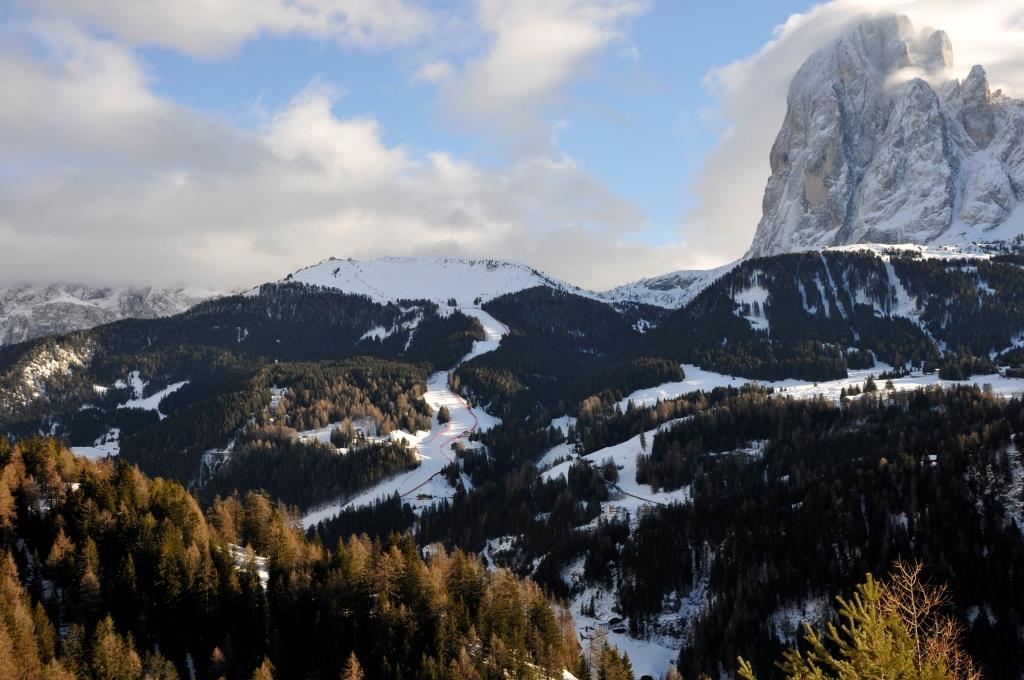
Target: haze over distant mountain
(672,290)
(28,311)
(879,144)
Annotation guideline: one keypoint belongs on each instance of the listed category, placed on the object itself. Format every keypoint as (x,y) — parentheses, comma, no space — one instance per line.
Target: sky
(226,143)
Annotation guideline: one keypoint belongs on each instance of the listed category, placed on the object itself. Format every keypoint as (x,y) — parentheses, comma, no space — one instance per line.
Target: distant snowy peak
(670,291)
(879,144)
(467,281)
(28,311)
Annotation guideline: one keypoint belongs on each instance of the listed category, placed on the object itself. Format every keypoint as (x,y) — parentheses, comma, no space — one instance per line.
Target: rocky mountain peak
(880,144)
(935,51)
(978,116)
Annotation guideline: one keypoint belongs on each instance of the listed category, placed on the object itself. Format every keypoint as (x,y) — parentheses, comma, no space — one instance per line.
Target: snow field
(700,379)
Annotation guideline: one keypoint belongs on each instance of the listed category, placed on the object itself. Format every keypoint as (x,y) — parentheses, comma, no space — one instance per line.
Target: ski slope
(390,279)
(426,484)
(651,657)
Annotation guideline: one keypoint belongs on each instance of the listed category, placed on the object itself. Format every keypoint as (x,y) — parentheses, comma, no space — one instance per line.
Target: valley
(450,467)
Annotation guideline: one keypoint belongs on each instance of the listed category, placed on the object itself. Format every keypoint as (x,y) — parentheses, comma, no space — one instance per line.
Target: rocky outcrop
(879,144)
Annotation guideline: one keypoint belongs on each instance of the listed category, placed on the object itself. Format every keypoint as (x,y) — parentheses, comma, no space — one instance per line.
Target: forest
(142,583)
(562,348)
(831,492)
(222,340)
(261,432)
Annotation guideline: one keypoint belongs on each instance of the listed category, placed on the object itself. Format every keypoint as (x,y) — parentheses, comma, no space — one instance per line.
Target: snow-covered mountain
(671,291)
(469,282)
(28,312)
(879,144)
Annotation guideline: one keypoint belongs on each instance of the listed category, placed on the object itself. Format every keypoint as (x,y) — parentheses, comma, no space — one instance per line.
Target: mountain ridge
(469,281)
(28,311)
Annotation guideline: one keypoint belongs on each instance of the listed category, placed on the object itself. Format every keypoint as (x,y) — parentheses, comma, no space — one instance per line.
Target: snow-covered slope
(28,312)
(469,282)
(880,144)
(671,291)
(426,484)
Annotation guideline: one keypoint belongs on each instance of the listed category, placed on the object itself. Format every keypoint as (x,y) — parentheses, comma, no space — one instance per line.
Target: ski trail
(426,482)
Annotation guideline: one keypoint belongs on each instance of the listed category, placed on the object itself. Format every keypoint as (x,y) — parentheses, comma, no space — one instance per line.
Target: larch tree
(892,629)
(353,670)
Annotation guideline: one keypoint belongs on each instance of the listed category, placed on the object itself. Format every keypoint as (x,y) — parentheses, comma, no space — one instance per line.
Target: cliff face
(880,145)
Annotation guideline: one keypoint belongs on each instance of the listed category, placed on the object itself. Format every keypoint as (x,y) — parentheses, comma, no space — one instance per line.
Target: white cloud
(751,96)
(88,98)
(209,28)
(109,182)
(536,47)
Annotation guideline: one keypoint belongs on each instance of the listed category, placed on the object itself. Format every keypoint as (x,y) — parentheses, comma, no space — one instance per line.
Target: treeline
(973,305)
(601,424)
(443,340)
(318,394)
(821,307)
(383,517)
(144,584)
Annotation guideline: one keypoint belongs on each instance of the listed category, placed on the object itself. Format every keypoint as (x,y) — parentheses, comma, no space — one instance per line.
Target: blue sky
(228,143)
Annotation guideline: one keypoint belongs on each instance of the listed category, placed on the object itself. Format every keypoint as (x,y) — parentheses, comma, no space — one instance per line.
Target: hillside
(813,315)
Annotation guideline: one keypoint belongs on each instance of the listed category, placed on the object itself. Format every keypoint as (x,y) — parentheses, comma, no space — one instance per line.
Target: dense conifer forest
(822,306)
(827,493)
(105,573)
(226,338)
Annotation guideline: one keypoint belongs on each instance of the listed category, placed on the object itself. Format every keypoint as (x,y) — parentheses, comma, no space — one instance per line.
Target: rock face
(879,144)
(28,312)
